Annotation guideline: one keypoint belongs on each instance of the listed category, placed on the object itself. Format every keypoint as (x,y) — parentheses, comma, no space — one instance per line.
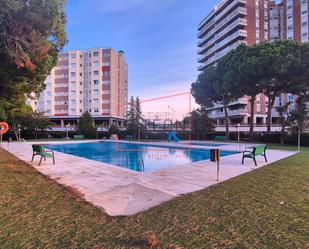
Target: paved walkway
(121,191)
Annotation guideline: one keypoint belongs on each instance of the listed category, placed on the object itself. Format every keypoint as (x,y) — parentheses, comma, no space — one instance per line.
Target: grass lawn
(267,208)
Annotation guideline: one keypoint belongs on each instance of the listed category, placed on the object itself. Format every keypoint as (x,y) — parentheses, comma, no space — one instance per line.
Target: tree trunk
(271,101)
(252,101)
(227,125)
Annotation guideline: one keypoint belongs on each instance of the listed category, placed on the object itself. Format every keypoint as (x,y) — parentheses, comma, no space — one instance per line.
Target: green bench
(220,138)
(256,151)
(39,150)
(78,137)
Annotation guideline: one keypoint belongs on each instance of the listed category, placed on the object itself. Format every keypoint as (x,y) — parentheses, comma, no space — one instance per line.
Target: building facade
(95,80)
(235,22)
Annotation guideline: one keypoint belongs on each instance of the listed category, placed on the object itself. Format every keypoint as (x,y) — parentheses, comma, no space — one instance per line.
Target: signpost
(215,157)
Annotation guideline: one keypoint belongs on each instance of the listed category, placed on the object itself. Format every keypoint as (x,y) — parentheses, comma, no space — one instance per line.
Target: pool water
(138,157)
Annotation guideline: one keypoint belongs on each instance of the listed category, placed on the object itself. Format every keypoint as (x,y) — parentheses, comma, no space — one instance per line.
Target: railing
(220,15)
(230,113)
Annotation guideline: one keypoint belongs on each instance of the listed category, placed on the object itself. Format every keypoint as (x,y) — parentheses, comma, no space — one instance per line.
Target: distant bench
(220,138)
(130,137)
(78,137)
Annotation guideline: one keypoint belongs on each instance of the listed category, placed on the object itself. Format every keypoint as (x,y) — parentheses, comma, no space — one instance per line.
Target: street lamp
(67,130)
(298,142)
(19,131)
(238,136)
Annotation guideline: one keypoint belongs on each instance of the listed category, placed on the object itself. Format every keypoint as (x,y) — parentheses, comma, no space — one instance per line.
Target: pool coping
(120,191)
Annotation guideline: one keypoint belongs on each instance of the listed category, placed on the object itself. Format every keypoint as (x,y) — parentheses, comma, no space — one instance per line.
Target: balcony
(236,12)
(220,114)
(220,15)
(239,22)
(220,54)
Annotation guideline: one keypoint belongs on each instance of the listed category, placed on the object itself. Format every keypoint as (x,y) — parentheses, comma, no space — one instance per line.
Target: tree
(285,119)
(31,35)
(39,122)
(113,129)
(281,62)
(209,89)
(86,126)
(244,77)
(16,114)
(201,123)
(130,115)
(134,116)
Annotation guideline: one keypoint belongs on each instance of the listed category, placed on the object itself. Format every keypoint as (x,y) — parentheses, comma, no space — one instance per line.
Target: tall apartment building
(235,22)
(95,80)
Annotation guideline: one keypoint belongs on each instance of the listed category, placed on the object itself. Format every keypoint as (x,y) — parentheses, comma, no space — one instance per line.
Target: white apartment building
(95,80)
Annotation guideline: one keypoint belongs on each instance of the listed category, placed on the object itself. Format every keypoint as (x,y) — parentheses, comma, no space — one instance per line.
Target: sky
(157,36)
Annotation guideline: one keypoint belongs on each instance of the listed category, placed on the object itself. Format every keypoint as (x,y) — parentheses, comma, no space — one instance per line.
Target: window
(73,56)
(304,24)
(96,63)
(81,92)
(73,64)
(95,72)
(48,93)
(80,74)
(95,54)
(96,110)
(96,82)
(73,74)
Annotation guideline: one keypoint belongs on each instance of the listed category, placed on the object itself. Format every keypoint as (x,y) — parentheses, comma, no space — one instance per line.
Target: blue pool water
(138,157)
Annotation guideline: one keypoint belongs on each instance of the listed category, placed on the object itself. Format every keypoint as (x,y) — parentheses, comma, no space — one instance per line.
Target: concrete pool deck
(121,191)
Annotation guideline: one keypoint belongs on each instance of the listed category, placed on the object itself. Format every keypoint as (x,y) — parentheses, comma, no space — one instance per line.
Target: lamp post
(298,136)
(19,131)
(67,130)
(238,136)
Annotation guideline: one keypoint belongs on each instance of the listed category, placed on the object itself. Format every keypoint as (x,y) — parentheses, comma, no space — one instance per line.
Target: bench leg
(40,160)
(54,160)
(265,157)
(32,157)
(242,161)
(254,161)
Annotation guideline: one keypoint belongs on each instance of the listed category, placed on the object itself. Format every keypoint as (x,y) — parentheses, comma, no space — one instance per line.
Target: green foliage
(209,89)
(201,124)
(268,68)
(31,35)
(113,129)
(86,126)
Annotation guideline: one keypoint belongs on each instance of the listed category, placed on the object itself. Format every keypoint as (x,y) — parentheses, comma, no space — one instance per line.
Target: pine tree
(86,126)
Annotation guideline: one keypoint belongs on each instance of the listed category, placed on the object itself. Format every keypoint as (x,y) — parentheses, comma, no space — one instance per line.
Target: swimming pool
(138,157)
